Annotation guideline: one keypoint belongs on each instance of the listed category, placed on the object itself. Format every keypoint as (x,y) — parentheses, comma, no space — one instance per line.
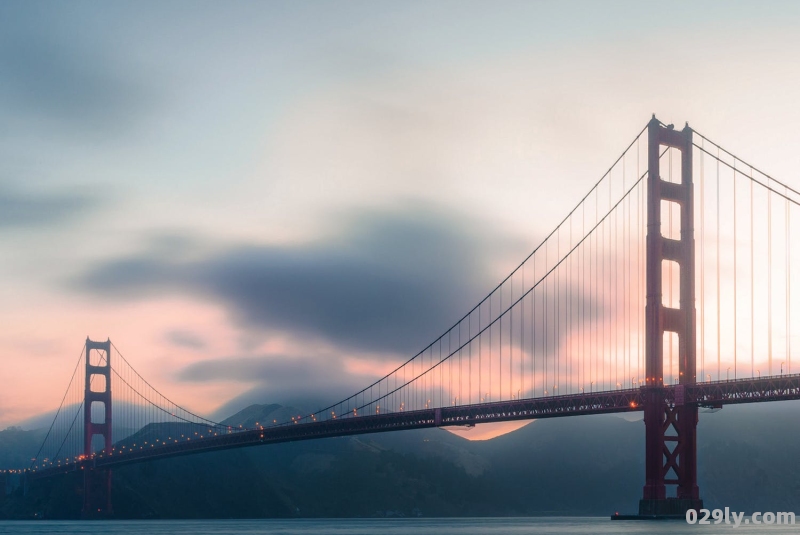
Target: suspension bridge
(667,288)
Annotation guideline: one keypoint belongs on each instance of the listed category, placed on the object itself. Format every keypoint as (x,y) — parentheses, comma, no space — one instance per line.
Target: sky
(277,201)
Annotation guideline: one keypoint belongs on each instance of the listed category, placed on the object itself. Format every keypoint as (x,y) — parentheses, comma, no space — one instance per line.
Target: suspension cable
(514,303)
(61,406)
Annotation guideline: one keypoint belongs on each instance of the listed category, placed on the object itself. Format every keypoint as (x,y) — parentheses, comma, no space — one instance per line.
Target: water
(439,526)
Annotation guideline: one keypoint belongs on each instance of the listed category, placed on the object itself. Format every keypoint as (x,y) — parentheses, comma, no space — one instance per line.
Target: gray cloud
(388,281)
(52,74)
(302,382)
(21,209)
(187,339)
(280,375)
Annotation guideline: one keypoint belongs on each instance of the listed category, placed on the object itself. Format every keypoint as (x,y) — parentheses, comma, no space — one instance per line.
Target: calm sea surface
(461,526)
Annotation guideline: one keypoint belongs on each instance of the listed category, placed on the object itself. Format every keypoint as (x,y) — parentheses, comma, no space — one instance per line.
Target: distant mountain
(575,466)
(18,446)
(256,415)
(20,443)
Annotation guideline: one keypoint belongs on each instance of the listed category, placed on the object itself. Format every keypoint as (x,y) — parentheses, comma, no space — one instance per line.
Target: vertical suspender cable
(511,341)
(769,277)
(522,337)
(611,291)
(619,364)
(605,294)
(582,293)
(719,366)
(702,265)
(568,318)
(788,284)
(639,286)
(752,287)
(627,278)
(735,279)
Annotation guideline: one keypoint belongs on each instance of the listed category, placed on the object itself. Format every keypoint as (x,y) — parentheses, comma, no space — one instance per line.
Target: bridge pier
(670,427)
(96,493)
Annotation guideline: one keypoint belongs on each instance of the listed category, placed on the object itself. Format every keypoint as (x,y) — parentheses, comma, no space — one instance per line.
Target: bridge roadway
(706,394)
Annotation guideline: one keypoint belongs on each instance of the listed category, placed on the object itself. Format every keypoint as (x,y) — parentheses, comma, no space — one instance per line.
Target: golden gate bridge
(665,289)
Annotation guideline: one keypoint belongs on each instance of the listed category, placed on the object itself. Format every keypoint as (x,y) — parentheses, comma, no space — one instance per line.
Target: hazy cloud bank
(386,281)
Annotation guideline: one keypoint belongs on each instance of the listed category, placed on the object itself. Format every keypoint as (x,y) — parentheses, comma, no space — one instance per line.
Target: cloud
(52,75)
(303,382)
(279,377)
(185,339)
(387,281)
(22,209)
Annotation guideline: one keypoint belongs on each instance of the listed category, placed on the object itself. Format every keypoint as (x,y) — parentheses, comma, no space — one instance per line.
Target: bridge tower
(97,483)
(670,428)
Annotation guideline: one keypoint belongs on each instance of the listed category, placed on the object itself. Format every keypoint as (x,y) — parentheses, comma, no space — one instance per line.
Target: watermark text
(736,519)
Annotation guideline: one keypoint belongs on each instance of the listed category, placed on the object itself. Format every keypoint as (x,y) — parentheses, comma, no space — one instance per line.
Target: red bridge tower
(97,483)
(670,428)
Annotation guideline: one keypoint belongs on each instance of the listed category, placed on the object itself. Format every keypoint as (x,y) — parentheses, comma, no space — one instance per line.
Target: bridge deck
(718,393)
